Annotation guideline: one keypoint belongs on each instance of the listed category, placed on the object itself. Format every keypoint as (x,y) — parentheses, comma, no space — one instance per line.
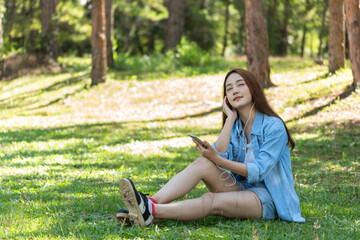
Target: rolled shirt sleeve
(275,140)
(228,154)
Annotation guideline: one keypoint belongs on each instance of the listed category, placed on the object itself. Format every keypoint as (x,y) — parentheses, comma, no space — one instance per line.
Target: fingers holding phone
(197,140)
(205,148)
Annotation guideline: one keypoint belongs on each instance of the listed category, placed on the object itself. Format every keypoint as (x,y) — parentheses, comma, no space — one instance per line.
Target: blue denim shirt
(272,162)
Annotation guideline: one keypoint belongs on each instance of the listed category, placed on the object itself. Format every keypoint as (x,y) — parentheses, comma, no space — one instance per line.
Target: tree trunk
(98,42)
(352,11)
(137,42)
(321,35)
(32,34)
(311,47)
(175,23)
(126,29)
(284,42)
(257,47)
(226,27)
(49,28)
(31,8)
(303,41)
(9,16)
(242,35)
(25,22)
(1,29)
(109,13)
(336,35)
(150,37)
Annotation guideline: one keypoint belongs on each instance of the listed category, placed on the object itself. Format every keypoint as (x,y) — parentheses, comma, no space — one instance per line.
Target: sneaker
(123,216)
(136,202)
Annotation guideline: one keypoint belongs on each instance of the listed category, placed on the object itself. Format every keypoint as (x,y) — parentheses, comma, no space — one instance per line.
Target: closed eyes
(239,85)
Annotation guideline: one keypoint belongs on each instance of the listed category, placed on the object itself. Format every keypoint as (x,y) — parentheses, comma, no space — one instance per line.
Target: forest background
(140,26)
(81,110)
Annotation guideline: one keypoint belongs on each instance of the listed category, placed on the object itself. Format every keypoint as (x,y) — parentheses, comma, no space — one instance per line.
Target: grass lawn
(65,146)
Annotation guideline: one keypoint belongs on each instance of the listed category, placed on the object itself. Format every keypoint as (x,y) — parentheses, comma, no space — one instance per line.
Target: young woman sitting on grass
(253,145)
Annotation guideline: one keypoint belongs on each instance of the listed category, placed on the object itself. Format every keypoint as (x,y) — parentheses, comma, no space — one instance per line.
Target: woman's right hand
(230,113)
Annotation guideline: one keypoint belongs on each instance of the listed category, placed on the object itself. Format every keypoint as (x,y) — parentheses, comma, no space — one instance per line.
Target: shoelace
(143,195)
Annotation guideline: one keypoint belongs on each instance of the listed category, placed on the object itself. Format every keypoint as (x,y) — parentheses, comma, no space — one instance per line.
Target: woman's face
(237,92)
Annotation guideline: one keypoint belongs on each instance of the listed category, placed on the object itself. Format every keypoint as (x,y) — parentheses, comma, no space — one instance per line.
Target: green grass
(64,147)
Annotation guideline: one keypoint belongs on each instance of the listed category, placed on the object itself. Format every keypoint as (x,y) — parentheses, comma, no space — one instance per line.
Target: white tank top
(249,154)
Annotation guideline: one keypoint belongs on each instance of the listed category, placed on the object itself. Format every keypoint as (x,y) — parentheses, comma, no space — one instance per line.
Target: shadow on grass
(122,132)
(346,93)
(315,79)
(318,78)
(78,90)
(87,145)
(329,159)
(19,100)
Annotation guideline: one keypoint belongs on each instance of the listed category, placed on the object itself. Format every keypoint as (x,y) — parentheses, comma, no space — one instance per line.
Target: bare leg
(201,169)
(239,204)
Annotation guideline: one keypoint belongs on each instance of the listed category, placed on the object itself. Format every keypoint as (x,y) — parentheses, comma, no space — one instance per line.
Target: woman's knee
(208,203)
(203,162)
(215,204)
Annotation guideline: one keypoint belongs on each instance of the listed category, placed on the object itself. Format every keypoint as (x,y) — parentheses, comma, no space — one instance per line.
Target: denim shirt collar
(256,127)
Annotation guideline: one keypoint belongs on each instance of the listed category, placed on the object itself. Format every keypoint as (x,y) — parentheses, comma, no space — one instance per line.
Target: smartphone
(197,140)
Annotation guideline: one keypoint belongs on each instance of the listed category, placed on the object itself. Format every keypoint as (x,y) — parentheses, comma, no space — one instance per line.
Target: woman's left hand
(209,152)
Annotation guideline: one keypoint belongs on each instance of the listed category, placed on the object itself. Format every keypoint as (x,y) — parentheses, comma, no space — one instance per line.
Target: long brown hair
(258,96)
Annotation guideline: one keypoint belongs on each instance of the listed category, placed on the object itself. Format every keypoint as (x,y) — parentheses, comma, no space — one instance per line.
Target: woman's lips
(237,98)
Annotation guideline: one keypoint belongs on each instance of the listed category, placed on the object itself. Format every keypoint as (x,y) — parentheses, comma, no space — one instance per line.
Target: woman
(253,144)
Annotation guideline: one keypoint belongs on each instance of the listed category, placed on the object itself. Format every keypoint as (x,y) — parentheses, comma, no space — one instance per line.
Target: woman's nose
(236,90)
